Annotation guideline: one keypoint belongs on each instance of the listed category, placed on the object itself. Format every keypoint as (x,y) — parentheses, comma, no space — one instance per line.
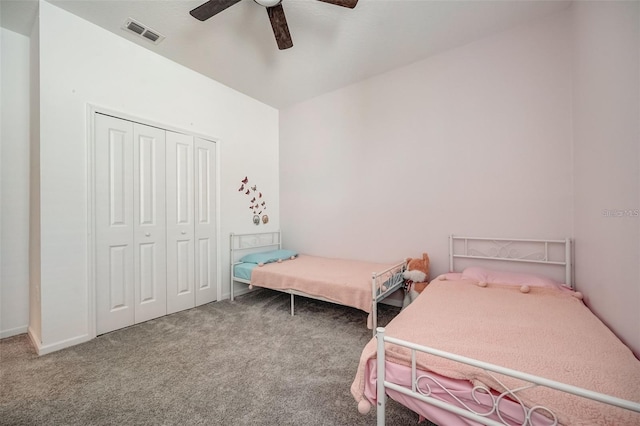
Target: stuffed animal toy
(416,278)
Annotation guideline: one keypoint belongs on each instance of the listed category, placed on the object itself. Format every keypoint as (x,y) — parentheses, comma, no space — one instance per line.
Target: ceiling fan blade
(280,27)
(344,3)
(210,8)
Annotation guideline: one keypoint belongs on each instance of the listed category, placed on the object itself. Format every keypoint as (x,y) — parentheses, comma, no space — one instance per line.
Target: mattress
(545,332)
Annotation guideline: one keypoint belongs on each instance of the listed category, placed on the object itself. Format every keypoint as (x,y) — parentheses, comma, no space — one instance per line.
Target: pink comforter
(545,332)
(347,282)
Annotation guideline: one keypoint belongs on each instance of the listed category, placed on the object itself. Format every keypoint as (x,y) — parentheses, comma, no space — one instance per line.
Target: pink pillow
(490,276)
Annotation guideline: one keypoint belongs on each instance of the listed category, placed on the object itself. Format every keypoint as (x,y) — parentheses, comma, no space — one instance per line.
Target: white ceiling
(333,46)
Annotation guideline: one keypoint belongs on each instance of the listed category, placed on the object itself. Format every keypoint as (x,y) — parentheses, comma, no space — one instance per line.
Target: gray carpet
(246,362)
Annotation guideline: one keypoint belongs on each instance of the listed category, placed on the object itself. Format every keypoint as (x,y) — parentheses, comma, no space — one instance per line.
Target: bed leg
(374,317)
(381,394)
(292,296)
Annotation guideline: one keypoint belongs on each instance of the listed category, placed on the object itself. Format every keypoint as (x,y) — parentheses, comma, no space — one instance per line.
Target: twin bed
(497,338)
(476,347)
(258,259)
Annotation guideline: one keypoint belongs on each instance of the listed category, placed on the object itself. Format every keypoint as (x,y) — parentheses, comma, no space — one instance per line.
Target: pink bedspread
(445,390)
(347,282)
(545,332)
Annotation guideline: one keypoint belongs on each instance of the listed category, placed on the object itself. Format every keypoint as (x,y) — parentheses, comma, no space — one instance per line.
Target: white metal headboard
(241,244)
(547,252)
(248,242)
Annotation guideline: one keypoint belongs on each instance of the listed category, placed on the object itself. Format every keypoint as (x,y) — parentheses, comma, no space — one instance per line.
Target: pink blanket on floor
(544,332)
(347,282)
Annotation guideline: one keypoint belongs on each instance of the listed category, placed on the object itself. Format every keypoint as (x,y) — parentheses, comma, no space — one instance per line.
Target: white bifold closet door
(149,238)
(131,284)
(191,242)
(114,224)
(206,242)
(180,223)
(155,222)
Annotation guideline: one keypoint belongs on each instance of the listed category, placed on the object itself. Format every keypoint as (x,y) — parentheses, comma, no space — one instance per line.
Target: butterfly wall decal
(256,207)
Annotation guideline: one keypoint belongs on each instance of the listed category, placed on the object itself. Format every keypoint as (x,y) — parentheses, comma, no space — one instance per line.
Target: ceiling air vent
(151,36)
(143,31)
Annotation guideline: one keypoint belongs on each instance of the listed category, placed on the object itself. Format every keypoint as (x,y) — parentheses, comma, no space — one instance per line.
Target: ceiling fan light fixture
(268,3)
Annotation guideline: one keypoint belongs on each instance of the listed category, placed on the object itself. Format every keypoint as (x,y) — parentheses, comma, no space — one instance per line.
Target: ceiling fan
(274,10)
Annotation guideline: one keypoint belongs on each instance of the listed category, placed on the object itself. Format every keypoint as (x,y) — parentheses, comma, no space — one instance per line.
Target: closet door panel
(180,223)
(150,223)
(114,223)
(205,221)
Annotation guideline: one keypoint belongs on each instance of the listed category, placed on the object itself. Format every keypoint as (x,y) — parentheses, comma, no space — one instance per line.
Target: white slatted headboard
(546,252)
(252,242)
(241,244)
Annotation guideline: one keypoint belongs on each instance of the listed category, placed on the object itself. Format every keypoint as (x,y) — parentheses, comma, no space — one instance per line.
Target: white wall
(81,63)
(607,162)
(14,178)
(476,140)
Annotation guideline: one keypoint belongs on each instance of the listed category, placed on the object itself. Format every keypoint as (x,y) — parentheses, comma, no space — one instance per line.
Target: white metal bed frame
(424,395)
(254,242)
(492,249)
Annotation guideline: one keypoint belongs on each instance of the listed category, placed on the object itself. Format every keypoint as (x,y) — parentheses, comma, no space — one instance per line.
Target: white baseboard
(53,347)
(241,292)
(13,331)
(35,339)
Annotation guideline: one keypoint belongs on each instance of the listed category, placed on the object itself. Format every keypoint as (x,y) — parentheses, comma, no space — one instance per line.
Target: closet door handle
(147,234)
(184,232)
